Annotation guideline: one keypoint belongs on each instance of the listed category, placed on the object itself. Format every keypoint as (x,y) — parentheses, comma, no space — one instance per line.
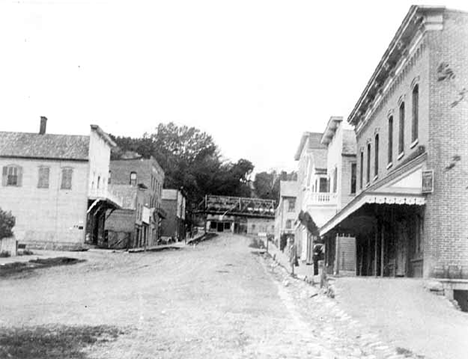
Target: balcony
(105,194)
(317,198)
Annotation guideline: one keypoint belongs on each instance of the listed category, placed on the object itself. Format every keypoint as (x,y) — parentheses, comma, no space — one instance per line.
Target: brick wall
(447,208)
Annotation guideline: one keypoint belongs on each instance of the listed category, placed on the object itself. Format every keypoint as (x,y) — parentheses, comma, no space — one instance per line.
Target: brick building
(409,215)
(139,182)
(55,185)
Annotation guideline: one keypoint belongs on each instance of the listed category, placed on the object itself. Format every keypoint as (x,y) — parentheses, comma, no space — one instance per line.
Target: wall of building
(148,172)
(99,157)
(260,225)
(446,221)
(120,227)
(415,72)
(47,217)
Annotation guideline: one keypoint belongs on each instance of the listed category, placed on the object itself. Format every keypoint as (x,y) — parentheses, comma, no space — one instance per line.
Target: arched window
(415,110)
(390,139)
(368,162)
(361,170)
(376,155)
(133,178)
(401,129)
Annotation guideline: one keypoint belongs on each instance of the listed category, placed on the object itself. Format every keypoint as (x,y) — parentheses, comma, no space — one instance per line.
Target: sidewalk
(303,271)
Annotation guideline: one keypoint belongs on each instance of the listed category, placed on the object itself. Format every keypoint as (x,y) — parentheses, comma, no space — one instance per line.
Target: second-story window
(323,185)
(43,177)
(67,174)
(109,180)
(390,139)
(288,224)
(368,163)
(415,110)
(376,155)
(361,170)
(12,176)
(401,129)
(133,178)
(353,178)
(291,205)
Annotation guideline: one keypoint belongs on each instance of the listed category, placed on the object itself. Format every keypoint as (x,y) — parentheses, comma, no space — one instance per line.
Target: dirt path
(220,299)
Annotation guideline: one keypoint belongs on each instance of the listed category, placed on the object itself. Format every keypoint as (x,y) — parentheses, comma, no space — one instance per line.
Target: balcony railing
(322,198)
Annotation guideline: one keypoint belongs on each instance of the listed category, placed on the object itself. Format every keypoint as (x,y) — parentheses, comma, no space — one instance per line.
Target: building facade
(49,181)
(315,203)
(139,181)
(338,251)
(174,204)
(286,212)
(409,215)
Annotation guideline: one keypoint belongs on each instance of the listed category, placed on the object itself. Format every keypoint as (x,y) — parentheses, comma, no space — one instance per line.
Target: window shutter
(4,175)
(20,176)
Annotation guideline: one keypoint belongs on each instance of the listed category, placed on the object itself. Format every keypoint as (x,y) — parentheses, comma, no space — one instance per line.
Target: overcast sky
(254,74)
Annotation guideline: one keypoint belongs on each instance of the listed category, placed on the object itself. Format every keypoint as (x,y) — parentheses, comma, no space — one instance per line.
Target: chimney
(42,129)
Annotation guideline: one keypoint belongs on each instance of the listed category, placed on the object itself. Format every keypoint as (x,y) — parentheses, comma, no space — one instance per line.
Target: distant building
(340,249)
(314,199)
(53,184)
(410,214)
(286,212)
(139,181)
(174,204)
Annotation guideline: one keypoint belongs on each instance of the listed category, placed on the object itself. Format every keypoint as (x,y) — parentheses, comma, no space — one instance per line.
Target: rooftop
(46,146)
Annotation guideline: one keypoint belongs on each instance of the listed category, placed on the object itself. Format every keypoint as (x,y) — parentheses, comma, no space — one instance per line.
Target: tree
(7,222)
(191,160)
(267,184)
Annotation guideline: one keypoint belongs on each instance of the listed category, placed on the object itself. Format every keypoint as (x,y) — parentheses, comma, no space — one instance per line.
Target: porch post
(376,249)
(382,251)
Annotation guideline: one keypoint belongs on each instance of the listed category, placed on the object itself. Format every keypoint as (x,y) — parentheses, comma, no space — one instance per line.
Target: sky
(254,74)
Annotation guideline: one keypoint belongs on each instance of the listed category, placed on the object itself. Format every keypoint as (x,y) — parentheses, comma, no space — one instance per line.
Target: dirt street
(220,299)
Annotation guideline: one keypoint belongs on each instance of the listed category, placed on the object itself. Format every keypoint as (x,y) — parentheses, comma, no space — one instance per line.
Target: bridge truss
(238,206)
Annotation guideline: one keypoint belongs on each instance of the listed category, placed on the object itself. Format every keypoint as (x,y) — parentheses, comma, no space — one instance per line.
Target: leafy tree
(267,184)
(7,222)
(191,160)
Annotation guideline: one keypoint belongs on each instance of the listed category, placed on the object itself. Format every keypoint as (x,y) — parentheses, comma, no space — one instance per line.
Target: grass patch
(18,267)
(47,342)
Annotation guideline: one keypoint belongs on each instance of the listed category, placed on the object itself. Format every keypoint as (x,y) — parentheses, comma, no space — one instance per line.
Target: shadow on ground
(53,342)
(18,267)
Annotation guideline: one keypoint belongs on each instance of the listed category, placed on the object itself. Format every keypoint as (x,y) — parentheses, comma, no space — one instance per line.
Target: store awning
(372,197)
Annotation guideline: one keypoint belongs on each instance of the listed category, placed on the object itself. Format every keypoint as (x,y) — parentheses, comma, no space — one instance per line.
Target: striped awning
(369,197)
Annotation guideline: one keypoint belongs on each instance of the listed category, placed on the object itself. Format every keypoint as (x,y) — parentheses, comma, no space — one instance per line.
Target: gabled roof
(313,142)
(46,146)
(332,125)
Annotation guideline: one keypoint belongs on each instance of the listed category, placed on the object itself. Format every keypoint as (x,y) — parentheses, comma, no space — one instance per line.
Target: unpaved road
(220,299)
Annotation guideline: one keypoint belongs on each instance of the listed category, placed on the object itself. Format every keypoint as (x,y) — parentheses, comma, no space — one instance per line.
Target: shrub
(4,254)
(7,222)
